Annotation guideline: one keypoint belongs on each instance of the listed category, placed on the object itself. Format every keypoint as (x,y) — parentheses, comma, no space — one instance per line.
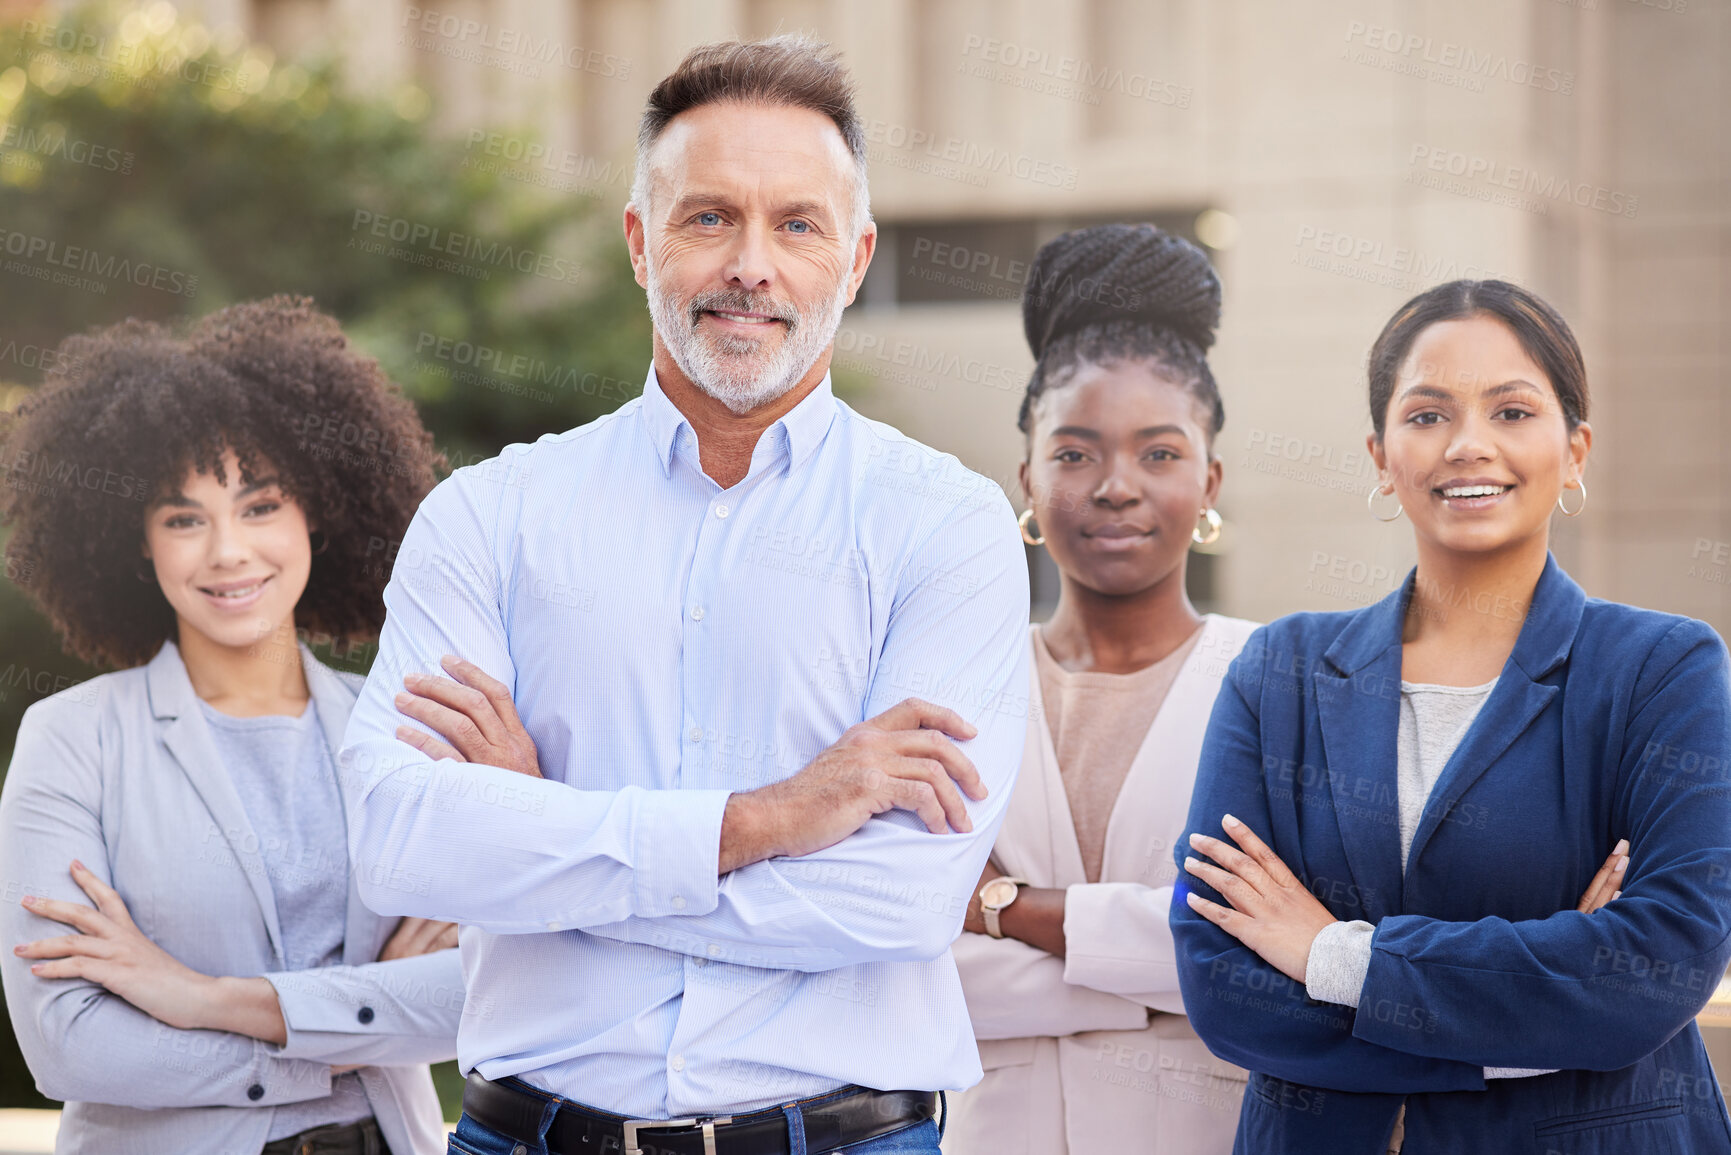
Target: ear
(634,242)
(1027,486)
(862,259)
(1216,474)
(1580,445)
(1377,454)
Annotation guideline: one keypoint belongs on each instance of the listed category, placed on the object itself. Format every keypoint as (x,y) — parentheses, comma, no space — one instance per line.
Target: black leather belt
(360,1138)
(846,1119)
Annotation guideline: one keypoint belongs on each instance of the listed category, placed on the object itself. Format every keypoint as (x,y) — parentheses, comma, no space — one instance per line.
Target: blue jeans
(474,1138)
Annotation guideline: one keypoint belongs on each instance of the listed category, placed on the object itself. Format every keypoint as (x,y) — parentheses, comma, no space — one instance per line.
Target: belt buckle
(633,1126)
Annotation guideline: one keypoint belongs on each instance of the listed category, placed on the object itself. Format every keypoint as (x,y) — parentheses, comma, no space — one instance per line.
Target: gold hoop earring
(1022,524)
(1370,504)
(1583,488)
(1213,519)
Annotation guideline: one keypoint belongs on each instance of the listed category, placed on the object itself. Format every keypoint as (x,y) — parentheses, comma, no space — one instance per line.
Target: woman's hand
(1606,884)
(112,952)
(473,713)
(1271,913)
(418,936)
(975,921)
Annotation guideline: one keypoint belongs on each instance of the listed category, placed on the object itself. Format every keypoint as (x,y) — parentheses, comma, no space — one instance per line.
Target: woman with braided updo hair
(1069,967)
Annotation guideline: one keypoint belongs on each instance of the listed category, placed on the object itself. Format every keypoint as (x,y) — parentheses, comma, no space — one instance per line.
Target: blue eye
(799,226)
(708,218)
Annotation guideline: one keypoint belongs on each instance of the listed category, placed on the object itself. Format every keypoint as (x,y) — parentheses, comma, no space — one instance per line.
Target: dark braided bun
(1121,292)
(1120,272)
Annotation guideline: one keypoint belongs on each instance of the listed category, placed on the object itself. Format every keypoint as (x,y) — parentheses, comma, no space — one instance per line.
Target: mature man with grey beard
(730,687)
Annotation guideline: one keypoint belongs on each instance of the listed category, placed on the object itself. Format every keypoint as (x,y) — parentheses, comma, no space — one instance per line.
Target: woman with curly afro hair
(190,937)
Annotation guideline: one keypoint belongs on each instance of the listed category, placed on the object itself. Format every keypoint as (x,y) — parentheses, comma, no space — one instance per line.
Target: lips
(233,595)
(1117,536)
(1472,493)
(742,318)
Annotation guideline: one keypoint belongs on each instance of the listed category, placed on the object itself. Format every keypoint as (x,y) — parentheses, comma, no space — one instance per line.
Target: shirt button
(679,902)
(255,1092)
(678,1063)
(519,1149)
(697,613)
(365,1014)
(721,511)
(696,734)
(714,950)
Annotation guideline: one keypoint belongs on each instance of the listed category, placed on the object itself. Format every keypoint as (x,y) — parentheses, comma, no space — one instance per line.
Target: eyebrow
(1094,435)
(691,202)
(181,501)
(1517,385)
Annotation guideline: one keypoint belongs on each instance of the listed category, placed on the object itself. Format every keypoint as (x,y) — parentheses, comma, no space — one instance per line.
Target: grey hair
(791,70)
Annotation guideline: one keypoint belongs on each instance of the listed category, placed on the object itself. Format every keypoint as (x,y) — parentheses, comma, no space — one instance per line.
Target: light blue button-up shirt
(667,643)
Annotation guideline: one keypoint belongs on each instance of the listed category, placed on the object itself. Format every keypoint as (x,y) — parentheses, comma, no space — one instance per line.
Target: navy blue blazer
(1607,721)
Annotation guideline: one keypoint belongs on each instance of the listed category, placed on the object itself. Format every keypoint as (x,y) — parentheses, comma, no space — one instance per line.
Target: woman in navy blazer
(1484,1008)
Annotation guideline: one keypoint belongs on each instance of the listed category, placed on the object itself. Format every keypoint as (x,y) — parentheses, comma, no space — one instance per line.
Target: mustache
(739,301)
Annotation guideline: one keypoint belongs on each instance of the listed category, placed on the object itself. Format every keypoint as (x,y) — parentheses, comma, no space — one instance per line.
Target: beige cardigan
(1074,1060)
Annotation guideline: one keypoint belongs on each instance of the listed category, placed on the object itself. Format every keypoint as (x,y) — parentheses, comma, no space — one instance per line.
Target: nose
(750,262)
(227,546)
(1471,439)
(1115,490)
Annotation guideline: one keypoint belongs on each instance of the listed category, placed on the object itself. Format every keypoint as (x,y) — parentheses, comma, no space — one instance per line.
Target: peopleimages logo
(1462,60)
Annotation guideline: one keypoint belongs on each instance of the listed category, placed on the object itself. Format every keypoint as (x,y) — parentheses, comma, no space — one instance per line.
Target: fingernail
(1616,894)
(36,968)
(1622,846)
(77,865)
(1196,841)
(1228,820)
(28,900)
(1191,864)
(404,699)
(1192,898)
(1621,863)
(18,949)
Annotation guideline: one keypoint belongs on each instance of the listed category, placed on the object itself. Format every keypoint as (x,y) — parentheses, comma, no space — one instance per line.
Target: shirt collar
(797,433)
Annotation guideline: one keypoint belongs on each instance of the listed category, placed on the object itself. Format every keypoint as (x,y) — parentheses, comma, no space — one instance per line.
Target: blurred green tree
(148,169)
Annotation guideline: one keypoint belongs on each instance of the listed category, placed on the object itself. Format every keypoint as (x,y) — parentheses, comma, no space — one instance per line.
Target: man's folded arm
(479,844)
(957,637)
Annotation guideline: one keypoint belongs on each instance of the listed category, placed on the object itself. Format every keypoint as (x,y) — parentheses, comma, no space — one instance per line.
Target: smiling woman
(190,935)
(1398,910)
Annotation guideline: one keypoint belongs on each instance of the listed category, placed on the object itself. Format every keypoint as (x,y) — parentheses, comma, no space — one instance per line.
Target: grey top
(281,767)
(1433,720)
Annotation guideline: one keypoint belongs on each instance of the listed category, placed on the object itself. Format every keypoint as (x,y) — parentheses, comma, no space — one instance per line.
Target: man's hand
(903,759)
(473,712)
(418,936)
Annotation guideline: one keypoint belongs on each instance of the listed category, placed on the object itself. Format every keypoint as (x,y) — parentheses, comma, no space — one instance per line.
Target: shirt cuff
(677,851)
(1339,960)
(1518,1072)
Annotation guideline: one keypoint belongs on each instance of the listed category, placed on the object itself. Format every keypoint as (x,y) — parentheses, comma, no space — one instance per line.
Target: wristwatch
(995,896)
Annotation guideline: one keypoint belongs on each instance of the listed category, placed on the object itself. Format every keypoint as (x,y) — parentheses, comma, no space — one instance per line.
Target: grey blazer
(120,772)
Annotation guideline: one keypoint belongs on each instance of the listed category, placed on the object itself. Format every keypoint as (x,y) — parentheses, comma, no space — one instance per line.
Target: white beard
(737,370)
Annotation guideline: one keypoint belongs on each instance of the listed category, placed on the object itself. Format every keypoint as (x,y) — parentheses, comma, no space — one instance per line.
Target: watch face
(998,892)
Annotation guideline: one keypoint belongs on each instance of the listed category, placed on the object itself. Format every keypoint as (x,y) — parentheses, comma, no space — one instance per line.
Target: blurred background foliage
(130,131)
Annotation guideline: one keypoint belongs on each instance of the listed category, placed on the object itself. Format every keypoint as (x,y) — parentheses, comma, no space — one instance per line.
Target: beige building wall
(1361,151)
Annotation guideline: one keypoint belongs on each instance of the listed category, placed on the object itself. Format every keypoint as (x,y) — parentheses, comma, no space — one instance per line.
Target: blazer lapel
(1040,830)
(175,705)
(1546,636)
(1358,709)
(335,701)
(1154,802)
